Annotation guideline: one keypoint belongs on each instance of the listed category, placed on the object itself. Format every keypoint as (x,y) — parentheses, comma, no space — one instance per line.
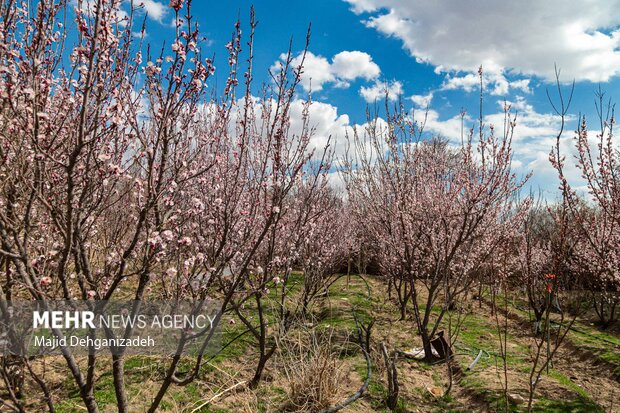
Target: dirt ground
(578,381)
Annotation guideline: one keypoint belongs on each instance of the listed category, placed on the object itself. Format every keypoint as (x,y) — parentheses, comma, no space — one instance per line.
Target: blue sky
(428,53)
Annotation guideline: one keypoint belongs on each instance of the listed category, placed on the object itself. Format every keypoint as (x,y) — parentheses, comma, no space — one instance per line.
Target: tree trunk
(118,367)
(260,367)
(428,347)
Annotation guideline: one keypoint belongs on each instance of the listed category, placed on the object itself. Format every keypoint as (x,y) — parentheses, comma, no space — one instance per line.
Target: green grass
(604,345)
(578,405)
(336,313)
(478,332)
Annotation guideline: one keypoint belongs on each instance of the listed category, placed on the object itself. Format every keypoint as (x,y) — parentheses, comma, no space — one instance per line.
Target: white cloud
(361,6)
(316,71)
(140,35)
(330,126)
(350,65)
(531,129)
(344,67)
(87,7)
(523,85)
(422,101)
(121,17)
(494,82)
(468,82)
(525,37)
(323,120)
(327,125)
(449,128)
(378,91)
(534,136)
(154,9)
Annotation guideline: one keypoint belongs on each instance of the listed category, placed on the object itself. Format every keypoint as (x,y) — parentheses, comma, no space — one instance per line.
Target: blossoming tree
(121,178)
(438,211)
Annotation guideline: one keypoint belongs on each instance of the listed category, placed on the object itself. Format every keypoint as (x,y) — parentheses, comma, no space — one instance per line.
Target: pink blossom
(151,69)
(176,5)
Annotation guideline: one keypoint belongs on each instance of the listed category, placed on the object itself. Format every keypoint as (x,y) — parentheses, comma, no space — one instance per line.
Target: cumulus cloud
(531,125)
(153,9)
(327,124)
(523,85)
(380,89)
(120,16)
(494,83)
(344,67)
(525,37)
(330,126)
(140,35)
(533,138)
(316,71)
(468,82)
(350,65)
(422,101)
(450,128)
